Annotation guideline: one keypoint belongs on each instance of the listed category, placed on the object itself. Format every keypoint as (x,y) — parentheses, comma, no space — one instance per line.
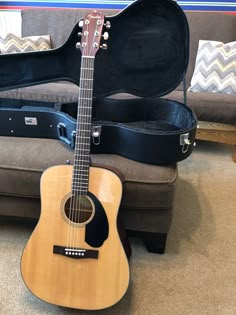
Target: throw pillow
(13,44)
(215,68)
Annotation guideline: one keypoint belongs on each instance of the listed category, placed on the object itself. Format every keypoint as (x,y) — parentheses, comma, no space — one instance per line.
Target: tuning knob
(103,46)
(105,36)
(79,34)
(108,25)
(77,45)
(81,24)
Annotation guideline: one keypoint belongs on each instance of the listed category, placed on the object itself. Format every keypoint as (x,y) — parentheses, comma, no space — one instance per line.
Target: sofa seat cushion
(58,92)
(22,161)
(209,106)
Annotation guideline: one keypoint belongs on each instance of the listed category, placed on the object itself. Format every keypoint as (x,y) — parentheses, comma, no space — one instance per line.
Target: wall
(224,6)
(10,19)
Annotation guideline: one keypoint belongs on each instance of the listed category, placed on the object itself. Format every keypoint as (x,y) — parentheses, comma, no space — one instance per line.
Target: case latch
(96,134)
(185,142)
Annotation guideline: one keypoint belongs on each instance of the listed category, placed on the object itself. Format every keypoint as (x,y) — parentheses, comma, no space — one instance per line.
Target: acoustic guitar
(74,257)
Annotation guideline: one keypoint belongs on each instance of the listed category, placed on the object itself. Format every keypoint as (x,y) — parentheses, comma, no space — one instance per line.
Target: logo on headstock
(90,16)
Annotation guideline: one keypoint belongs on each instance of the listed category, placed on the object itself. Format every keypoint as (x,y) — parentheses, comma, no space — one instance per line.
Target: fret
(83,131)
(86,123)
(83,175)
(79,152)
(82,166)
(83,178)
(79,187)
(80,184)
(83,155)
(85,137)
(80,157)
(81,162)
(82,151)
(87,144)
(86,115)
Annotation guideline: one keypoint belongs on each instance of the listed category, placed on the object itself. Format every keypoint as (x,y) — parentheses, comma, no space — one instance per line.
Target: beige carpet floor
(196,275)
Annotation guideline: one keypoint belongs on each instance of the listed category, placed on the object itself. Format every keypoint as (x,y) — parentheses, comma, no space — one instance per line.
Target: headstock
(92,26)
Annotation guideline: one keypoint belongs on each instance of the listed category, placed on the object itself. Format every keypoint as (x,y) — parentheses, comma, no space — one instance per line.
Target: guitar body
(84,283)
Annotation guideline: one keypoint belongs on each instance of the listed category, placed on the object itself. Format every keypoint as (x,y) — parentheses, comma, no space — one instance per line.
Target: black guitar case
(147,56)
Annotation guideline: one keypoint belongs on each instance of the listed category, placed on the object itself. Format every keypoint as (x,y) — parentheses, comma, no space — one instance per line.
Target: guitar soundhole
(79,209)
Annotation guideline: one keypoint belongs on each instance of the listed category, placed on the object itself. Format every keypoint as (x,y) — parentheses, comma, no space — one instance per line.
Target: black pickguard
(97,230)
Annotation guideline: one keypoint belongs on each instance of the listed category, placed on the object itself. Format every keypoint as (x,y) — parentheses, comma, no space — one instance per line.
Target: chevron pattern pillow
(215,68)
(13,44)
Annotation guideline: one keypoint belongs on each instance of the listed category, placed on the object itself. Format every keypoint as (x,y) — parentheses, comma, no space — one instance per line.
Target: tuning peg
(108,25)
(79,34)
(81,23)
(103,46)
(105,36)
(77,45)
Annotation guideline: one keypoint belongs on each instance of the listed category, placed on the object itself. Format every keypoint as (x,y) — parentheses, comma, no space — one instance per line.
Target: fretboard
(83,130)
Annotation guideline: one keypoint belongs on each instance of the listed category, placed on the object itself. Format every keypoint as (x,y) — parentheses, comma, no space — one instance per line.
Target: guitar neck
(83,130)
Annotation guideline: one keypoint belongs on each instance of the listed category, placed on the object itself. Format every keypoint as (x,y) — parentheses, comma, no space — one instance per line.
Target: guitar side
(86,283)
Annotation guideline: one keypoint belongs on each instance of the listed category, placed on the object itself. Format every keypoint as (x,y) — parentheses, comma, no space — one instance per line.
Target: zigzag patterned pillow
(215,68)
(13,44)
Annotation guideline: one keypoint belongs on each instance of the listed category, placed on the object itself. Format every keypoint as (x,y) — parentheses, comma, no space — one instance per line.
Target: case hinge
(185,142)
(96,134)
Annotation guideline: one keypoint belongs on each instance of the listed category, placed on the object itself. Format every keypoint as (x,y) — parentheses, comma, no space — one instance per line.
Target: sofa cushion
(208,107)
(208,26)
(58,92)
(13,43)
(215,68)
(22,161)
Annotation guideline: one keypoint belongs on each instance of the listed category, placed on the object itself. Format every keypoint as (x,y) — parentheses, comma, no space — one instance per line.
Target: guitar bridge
(76,253)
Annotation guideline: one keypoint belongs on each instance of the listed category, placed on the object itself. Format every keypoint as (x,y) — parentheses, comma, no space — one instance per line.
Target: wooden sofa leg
(234,154)
(155,242)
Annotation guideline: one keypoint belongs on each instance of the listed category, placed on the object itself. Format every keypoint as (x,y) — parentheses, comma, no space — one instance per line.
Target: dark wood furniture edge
(217,132)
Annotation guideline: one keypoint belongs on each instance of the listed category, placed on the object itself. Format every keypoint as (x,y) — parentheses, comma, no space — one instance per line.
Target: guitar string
(79,176)
(83,156)
(88,68)
(79,150)
(76,168)
(69,234)
(84,165)
(84,129)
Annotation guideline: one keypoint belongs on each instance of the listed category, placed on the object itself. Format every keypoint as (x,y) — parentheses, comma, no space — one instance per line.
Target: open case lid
(147,54)
(148,50)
